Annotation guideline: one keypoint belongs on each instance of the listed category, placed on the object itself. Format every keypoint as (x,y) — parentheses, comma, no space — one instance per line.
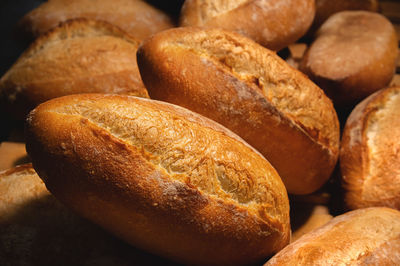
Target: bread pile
(197,138)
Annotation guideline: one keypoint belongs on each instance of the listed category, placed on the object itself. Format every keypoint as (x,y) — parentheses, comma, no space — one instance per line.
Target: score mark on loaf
(137,18)
(161,177)
(250,90)
(78,56)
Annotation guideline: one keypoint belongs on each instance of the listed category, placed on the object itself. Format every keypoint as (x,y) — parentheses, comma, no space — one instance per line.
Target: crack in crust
(190,152)
(297,98)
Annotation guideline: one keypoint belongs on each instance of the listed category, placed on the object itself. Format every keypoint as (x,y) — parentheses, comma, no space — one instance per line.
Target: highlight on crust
(160,177)
(369,152)
(78,56)
(250,90)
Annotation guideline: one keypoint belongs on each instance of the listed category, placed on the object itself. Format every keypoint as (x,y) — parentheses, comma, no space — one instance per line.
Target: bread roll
(76,57)
(253,92)
(274,24)
(368,236)
(326,8)
(136,17)
(35,229)
(370,152)
(161,177)
(354,54)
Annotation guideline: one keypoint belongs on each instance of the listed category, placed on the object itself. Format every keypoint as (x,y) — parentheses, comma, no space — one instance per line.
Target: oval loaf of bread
(370,152)
(36,229)
(353,55)
(369,236)
(250,90)
(163,178)
(274,23)
(76,57)
(136,17)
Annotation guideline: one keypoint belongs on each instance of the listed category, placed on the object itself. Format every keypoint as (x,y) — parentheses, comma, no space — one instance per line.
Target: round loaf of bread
(76,57)
(36,229)
(354,55)
(326,8)
(161,177)
(369,236)
(250,90)
(136,17)
(274,23)
(370,152)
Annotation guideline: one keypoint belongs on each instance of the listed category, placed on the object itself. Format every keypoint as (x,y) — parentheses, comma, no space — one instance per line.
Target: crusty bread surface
(369,236)
(369,156)
(77,56)
(250,90)
(161,177)
(136,17)
(353,55)
(274,24)
(36,229)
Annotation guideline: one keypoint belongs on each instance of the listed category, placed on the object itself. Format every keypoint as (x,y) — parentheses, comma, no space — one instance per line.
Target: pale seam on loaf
(383,112)
(88,28)
(213,8)
(225,53)
(222,187)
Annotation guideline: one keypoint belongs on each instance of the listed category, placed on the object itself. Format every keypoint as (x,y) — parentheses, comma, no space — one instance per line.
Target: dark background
(12,44)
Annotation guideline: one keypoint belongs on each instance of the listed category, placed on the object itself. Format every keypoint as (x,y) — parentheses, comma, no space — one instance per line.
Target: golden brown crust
(161,177)
(364,236)
(369,152)
(78,56)
(35,229)
(137,18)
(253,92)
(274,24)
(354,54)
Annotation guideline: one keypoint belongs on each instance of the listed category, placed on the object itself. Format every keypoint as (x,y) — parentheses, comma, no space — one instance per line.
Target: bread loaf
(161,177)
(253,92)
(326,8)
(274,24)
(36,229)
(76,57)
(370,152)
(136,17)
(354,54)
(369,236)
